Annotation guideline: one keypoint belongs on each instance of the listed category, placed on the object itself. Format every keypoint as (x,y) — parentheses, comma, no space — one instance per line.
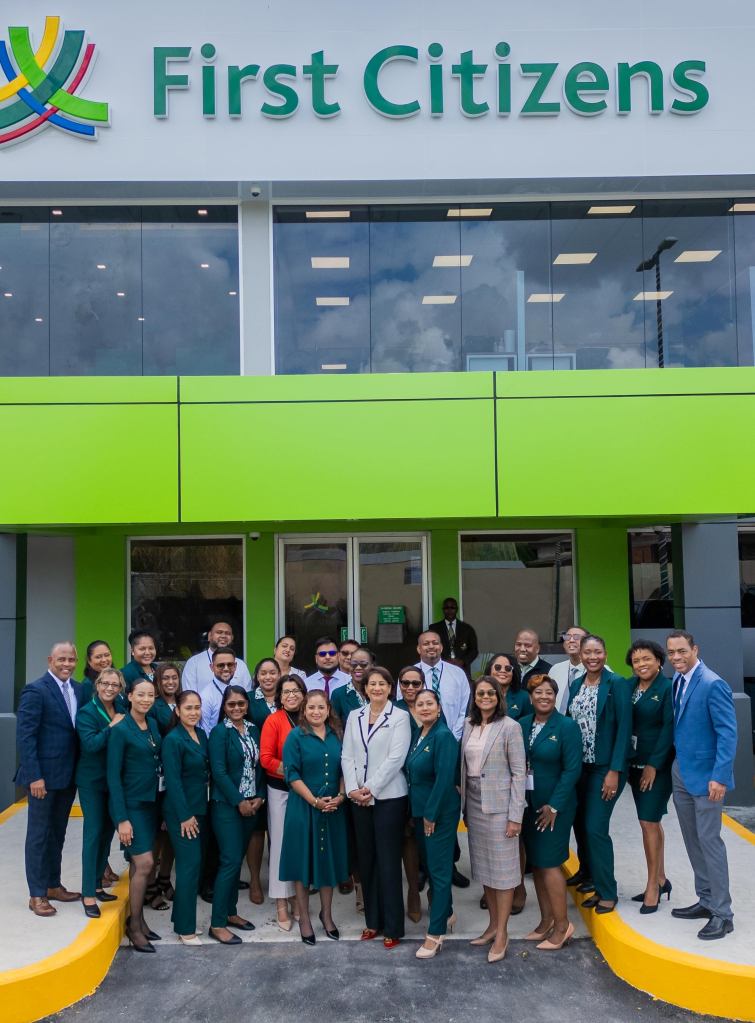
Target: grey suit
(503,769)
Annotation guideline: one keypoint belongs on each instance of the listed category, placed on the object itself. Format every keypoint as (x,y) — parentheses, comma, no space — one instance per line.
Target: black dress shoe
(585,887)
(696,912)
(206,894)
(716,927)
(247,925)
(92,911)
(576,879)
(592,902)
(105,896)
(234,940)
(458,879)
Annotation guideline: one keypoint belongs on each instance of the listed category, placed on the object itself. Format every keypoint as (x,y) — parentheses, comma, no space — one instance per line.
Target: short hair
(181,698)
(429,632)
(592,637)
(323,640)
(535,681)
(228,691)
(532,632)
(475,715)
(111,671)
(141,634)
(223,650)
(681,634)
(63,642)
(220,620)
(410,667)
(376,669)
(516,674)
(160,671)
(332,720)
(645,644)
(345,642)
(366,650)
(450,600)
(575,626)
(282,681)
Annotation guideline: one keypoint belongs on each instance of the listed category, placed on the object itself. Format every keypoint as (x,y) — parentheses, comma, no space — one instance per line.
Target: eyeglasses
(503,667)
(326,653)
(411,683)
(109,685)
(290,692)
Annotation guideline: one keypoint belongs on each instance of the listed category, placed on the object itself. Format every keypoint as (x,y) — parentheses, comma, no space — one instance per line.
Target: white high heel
(430,953)
(189,939)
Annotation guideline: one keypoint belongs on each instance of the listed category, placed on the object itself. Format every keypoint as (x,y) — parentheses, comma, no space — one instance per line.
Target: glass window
(651,578)
(24,292)
(744,236)
(506,314)
(322,294)
(191,283)
(391,599)
(316,587)
(95,292)
(746,537)
(178,587)
(688,283)
(514,580)
(594,258)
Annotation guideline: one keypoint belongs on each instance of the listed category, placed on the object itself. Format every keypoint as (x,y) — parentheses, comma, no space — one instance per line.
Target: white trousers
(276,815)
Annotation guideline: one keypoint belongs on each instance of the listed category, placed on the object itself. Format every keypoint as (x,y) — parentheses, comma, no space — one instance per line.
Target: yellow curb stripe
(711,986)
(41,989)
(738,829)
(12,810)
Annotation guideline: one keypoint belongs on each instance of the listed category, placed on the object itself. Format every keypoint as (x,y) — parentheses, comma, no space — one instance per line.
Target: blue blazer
(705,733)
(45,735)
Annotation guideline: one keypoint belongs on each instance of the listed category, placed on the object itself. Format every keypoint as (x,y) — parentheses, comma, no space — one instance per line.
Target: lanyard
(101,710)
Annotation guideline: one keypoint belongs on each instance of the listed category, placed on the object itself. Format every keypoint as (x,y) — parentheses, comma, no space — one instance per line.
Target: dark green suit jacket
(163,715)
(120,703)
(555,760)
(93,728)
(186,765)
(433,771)
(613,734)
(653,723)
(227,765)
(259,711)
(518,705)
(133,766)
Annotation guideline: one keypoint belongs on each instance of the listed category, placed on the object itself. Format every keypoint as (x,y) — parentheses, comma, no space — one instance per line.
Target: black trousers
(46,825)
(379,831)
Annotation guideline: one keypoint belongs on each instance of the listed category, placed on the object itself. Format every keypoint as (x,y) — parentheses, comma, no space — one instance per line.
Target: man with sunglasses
(328,676)
(224,665)
(565,672)
(198,673)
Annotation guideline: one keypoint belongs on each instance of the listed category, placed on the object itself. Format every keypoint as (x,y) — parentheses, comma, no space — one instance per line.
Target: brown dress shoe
(39,905)
(62,894)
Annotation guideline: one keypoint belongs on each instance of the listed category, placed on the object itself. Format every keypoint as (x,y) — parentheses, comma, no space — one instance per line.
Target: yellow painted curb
(710,986)
(738,829)
(12,810)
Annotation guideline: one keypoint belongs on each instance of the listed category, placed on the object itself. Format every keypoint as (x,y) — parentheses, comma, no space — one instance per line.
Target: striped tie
(436,680)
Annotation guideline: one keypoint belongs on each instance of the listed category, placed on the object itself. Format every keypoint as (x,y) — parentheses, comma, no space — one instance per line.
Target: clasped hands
(362,797)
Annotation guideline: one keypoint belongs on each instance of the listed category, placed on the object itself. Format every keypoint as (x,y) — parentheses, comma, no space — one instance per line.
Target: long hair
(475,714)
(89,671)
(181,698)
(332,720)
(160,671)
(297,679)
(237,691)
(516,674)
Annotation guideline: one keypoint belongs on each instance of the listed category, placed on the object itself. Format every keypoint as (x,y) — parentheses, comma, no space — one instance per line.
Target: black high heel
(309,939)
(335,934)
(664,889)
(146,947)
(149,935)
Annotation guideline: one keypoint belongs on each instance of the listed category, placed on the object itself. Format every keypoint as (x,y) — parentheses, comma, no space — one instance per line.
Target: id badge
(161,783)
(634,743)
(529,785)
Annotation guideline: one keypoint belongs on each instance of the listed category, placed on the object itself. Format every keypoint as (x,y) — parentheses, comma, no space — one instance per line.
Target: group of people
(349,774)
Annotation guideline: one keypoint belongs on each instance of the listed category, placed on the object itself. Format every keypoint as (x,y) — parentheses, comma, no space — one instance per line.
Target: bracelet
(316,803)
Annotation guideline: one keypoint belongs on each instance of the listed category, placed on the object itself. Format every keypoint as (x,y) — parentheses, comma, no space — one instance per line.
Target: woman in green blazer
(599,702)
(168,684)
(94,721)
(238,793)
(98,657)
(505,669)
(411,682)
(553,745)
(650,760)
(186,765)
(143,663)
(134,776)
(432,770)
(351,696)
(265,678)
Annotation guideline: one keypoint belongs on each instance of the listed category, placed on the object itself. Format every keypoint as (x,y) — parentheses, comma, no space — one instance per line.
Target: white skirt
(276,815)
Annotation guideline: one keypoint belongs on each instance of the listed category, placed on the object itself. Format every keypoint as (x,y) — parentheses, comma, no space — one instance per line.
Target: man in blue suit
(47,745)
(705,737)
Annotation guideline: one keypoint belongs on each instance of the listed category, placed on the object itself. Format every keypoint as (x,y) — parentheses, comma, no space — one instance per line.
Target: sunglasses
(360,664)
(503,667)
(326,653)
(236,703)
(411,683)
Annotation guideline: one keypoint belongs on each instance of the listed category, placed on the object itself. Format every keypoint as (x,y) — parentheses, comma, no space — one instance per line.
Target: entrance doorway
(369,587)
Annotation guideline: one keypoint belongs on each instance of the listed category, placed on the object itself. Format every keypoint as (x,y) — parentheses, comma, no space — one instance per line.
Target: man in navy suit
(47,744)
(705,737)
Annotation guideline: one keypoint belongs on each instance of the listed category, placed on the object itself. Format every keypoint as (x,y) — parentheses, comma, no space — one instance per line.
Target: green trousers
(98,835)
(591,828)
(436,854)
(232,832)
(188,853)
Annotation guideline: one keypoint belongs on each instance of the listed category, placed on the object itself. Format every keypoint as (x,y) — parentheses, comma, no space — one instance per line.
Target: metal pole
(659,310)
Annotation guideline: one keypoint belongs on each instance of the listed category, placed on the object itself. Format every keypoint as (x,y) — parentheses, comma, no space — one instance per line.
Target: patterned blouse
(247,786)
(584,710)
(537,727)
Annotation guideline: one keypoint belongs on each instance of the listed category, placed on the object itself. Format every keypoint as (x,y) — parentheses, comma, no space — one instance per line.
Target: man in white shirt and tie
(198,673)
(328,676)
(223,674)
(565,672)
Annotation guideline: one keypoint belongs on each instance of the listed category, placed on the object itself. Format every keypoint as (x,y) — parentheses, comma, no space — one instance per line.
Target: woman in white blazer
(375,744)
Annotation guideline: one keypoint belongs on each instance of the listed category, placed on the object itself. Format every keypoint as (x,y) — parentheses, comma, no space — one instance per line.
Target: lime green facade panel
(587,383)
(87,390)
(78,464)
(415,459)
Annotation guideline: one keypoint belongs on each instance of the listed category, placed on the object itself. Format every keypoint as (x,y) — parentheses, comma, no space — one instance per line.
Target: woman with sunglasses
(94,722)
(351,696)
(238,793)
(506,671)
(411,682)
(289,696)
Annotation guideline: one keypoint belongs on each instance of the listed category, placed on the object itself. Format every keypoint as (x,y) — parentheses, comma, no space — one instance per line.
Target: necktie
(326,679)
(678,691)
(69,700)
(436,680)
(451,637)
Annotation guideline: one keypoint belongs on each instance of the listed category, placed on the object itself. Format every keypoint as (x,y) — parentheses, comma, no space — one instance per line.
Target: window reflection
(24,292)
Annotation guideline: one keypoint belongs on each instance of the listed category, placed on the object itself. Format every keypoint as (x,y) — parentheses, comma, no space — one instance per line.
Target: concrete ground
(348,982)
(745,815)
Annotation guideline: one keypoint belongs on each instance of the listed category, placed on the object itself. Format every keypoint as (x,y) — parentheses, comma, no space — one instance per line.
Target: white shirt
(687,676)
(564,674)
(70,701)
(212,697)
(454,692)
(197,673)
(317,680)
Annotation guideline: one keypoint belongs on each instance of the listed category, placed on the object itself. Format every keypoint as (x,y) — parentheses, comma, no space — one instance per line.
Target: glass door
(372,588)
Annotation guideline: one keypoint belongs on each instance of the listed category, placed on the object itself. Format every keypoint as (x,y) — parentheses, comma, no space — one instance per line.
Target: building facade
(313,316)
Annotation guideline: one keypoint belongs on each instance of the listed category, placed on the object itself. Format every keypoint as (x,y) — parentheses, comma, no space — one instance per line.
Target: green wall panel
(89,464)
(414,458)
(603,589)
(87,390)
(596,382)
(259,607)
(677,455)
(100,561)
(444,569)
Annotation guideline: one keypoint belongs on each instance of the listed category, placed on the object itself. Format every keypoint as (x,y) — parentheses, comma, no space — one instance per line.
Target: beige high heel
(552,946)
(430,953)
(538,935)
(496,957)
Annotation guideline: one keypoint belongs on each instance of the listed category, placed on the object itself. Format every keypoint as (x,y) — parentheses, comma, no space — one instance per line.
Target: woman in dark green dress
(432,769)
(411,682)
(314,849)
(238,793)
(265,678)
(94,722)
(650,760)
(505,669)
(186,766)
(134,776)
(553,746)
(168,685)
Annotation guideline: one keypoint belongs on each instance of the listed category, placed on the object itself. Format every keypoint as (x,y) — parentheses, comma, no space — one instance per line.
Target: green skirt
(546,848)
(315,846)
(145,821)
(652,805)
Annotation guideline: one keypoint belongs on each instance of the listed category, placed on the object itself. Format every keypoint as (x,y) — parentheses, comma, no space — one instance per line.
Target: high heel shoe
(552,946)
(663,889)
(430,953)
(334,935)
(285,925)
(309,939)
(585,887)
(484,939)
(146,947)
(539,935)
(645,909)
(496,957)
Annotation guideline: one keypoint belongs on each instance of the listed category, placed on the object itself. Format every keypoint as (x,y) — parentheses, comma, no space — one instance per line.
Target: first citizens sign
(478,84)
